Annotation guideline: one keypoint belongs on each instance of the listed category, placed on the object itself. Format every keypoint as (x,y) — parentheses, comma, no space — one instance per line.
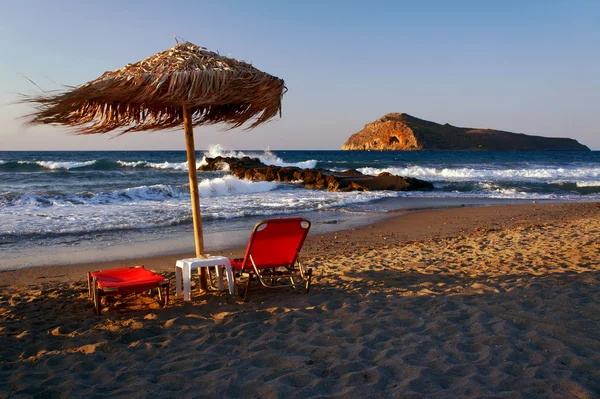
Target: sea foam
(215,187)
(230,185)
(155,165)
(478,173)
(266,157)
(53,165)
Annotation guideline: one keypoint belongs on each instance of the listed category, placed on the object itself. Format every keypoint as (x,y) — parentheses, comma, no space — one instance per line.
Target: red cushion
(237,263)
(127,279)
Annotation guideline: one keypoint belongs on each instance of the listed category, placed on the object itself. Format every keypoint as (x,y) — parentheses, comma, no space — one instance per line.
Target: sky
(527,66)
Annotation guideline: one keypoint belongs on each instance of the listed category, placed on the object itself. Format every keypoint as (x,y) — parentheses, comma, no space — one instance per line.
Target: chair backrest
(276,242)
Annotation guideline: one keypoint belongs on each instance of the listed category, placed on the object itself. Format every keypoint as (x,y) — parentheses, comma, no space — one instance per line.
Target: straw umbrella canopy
(186,85)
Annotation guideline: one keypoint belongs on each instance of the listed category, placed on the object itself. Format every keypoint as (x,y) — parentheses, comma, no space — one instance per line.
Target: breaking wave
(217,187)
(266,157)
(480,174)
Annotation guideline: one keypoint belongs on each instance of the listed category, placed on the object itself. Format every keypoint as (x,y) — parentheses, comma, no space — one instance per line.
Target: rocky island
(314,178)
(402,132)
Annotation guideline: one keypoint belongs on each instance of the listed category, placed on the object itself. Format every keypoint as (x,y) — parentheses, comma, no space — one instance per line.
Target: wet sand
(499,301)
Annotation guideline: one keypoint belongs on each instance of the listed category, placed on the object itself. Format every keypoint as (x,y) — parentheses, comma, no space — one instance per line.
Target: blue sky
(529,66)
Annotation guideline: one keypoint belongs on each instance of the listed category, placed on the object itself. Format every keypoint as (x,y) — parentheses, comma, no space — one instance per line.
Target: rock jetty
(402,132)
(313,178)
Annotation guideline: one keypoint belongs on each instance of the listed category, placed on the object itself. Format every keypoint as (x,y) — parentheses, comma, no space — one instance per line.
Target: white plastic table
(183,273)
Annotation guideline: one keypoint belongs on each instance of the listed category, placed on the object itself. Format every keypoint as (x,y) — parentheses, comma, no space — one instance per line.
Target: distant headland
(402,132)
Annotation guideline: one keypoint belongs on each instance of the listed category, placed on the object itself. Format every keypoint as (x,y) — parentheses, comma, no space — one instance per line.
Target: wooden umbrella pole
(191,160)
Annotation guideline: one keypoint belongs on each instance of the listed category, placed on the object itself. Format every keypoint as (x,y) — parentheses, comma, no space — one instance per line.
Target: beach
(496,301)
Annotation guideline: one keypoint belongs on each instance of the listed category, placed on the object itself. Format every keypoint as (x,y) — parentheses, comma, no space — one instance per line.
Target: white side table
(183,273)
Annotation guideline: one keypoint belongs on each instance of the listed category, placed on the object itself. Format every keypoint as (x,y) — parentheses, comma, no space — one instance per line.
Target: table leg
(187,282)
(230,280)
(219,277)
(178,280)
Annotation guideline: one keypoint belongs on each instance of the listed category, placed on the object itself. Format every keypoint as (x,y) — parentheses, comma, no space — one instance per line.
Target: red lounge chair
(273,254)
(124,281)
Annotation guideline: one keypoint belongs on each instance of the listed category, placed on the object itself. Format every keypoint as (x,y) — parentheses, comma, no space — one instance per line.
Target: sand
(495,302)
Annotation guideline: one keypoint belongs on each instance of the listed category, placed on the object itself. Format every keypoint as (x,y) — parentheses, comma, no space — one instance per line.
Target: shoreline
(409,225)
(106,246)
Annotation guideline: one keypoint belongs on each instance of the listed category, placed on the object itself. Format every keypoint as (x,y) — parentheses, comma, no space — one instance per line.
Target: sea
(80,206)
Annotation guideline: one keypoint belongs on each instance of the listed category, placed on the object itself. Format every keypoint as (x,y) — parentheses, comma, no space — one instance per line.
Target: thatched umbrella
(186,85)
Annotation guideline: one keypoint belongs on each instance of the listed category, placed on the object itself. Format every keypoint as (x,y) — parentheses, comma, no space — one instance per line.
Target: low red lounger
(124,281)
(273,254)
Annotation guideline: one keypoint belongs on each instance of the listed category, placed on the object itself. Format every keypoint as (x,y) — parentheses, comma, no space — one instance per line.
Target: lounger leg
(309,274)
(90,294)
(97,299)
(247,287)
(163,297)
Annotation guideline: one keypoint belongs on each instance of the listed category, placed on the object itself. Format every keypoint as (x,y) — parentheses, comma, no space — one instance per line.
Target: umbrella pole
(191,160)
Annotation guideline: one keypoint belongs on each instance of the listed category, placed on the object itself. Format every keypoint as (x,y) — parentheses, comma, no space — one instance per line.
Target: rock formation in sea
(314,178)
(402,132)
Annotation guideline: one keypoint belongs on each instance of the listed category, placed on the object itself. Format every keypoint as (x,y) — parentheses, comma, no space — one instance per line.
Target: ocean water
(73,202)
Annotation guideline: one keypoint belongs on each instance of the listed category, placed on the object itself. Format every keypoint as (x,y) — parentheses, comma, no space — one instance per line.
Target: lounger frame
(95,293)
(268,277)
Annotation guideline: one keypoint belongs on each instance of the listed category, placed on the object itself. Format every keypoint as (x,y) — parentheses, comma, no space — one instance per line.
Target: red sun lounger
(123,281)
(272,254)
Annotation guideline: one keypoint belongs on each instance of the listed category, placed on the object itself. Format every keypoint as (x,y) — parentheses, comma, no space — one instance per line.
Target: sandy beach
(499,301)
